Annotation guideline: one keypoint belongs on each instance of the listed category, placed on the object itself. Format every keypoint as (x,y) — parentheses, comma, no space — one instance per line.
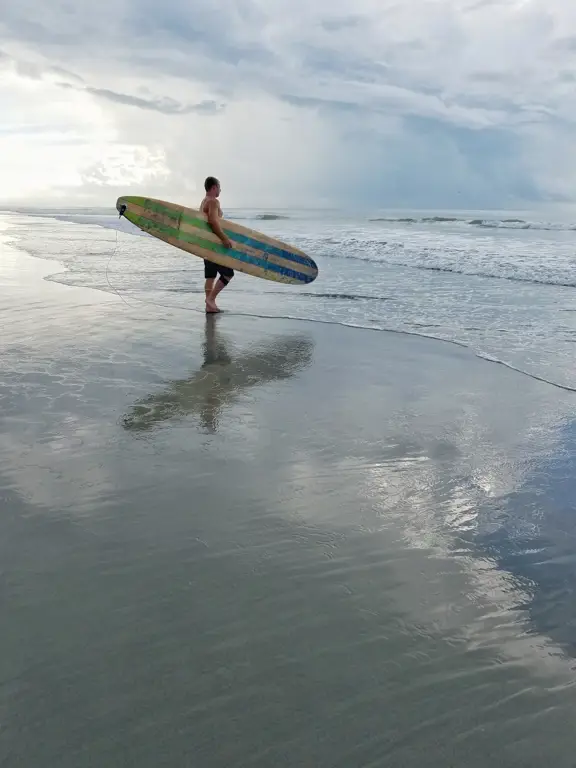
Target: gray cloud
(17,23)
(566,44)
(362,80)
(337,23)
(64,74)
(69,80)
(165,105)
(309,101)
(488,77)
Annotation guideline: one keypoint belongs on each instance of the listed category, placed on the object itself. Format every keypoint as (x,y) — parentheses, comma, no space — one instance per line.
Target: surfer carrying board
(211,208)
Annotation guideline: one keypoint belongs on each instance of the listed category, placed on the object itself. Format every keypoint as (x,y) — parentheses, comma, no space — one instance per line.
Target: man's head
(212,186)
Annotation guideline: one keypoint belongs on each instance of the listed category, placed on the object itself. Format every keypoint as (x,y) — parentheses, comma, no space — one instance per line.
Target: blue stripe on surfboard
(270,266)
(273,250)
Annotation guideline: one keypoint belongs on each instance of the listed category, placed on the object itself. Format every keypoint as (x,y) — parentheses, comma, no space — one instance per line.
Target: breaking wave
(483,223)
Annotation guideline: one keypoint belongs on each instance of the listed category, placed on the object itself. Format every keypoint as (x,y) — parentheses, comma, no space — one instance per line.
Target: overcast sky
(415,103)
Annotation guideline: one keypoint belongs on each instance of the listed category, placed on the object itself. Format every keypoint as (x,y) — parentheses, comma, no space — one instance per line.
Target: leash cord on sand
(112,288)
(141,301)
(114,252)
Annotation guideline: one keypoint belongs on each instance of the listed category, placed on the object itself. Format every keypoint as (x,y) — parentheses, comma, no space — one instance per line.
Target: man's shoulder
(211,205)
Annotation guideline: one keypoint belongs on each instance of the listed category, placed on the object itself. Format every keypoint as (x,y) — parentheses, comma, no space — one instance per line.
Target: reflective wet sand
(244,542)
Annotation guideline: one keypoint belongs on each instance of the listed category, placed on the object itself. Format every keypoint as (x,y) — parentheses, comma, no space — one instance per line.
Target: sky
(291,103)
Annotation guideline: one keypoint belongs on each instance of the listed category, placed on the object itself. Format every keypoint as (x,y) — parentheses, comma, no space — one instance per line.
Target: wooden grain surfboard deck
(252,253)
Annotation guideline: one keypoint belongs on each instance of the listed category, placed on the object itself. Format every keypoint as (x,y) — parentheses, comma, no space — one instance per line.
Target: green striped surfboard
(253,252)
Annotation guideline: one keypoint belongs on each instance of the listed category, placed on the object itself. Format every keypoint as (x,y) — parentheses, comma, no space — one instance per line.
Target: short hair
(210,182)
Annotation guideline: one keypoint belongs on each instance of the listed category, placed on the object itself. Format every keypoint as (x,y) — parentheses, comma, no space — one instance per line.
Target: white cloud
(433,102)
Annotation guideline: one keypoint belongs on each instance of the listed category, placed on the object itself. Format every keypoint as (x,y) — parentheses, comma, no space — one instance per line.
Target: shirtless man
(211,207)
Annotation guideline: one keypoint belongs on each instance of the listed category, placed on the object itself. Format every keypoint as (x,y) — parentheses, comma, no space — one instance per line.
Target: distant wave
(493,275)
(259,217)
(484,223)
(507,224)
(397,221)
(425,219)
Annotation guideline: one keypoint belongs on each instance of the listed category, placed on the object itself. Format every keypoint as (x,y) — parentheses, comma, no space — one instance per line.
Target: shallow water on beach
(498,283)
(226,541)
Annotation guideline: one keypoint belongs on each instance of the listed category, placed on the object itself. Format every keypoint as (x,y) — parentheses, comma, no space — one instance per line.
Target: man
(211,207)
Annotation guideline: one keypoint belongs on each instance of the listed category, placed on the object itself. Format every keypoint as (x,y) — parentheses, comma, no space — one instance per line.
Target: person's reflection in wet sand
(221,380)
(215,353)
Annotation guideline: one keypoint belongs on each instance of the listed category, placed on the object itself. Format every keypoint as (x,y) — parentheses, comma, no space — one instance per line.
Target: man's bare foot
(211,307)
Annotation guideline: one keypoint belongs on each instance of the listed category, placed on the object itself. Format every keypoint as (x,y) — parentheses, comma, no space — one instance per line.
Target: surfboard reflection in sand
(221,380)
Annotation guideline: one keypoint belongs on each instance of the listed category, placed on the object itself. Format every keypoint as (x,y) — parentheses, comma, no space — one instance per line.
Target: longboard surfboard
(252,253)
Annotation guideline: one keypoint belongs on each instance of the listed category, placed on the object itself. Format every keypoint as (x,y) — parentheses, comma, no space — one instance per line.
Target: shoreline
(135,303)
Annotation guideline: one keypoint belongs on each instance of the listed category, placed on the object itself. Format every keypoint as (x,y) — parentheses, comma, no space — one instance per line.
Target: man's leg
(210,273)
(208,287)
(226,274)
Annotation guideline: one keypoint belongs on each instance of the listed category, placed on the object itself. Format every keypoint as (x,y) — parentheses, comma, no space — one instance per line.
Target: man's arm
(214,222)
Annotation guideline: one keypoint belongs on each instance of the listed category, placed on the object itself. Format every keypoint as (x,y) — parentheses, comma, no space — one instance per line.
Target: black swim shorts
(211,270)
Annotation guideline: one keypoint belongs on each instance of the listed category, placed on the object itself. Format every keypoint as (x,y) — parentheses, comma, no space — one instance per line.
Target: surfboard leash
(112,288)
(138,300)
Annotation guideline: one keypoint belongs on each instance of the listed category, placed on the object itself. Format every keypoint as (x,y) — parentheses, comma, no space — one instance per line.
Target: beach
(273,541)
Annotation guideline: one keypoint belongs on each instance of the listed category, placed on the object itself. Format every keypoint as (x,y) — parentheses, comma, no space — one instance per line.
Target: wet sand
(236,541)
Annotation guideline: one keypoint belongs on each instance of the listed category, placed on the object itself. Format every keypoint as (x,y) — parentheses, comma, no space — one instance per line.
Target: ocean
(500,283)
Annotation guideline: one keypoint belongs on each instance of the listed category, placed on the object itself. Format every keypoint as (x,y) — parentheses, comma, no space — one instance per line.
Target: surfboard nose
(121,205)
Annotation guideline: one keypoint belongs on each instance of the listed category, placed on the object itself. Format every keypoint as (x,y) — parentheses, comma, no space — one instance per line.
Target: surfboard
(252,253)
